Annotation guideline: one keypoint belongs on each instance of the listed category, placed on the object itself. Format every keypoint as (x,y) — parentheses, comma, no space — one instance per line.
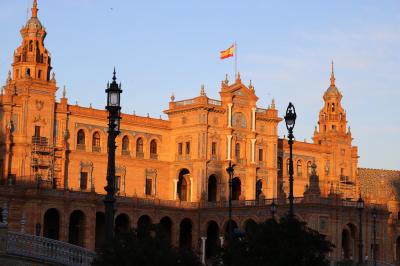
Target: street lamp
(273,209)
(360,207)
(374,215)
(290,120)
(114,111)
(230,169)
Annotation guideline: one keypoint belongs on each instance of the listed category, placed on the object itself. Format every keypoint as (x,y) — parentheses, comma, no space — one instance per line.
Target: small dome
(33,24)
(332,90)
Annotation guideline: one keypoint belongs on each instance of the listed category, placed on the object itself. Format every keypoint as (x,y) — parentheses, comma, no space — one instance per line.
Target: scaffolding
(347,187)
(42,162)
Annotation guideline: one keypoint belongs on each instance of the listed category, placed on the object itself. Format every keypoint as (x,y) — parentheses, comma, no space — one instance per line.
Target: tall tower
(27,109)
(341,158)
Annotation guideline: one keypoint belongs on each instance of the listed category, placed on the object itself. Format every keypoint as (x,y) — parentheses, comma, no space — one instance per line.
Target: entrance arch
(99,231)
(183,185)
(185,234)
(165,230)
(121,223)
(51,224)
(212,188)
(349,241)
(236,188)
(250,226)
(143,226)
(76,228)
(212,239)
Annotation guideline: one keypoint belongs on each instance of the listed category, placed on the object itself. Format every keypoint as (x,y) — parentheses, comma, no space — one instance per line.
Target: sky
(284,47)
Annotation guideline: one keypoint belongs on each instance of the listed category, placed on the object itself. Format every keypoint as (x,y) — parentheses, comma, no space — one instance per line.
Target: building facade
(172,172)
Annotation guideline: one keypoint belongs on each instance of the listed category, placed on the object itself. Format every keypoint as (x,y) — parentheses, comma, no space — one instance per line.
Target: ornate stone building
(172,172)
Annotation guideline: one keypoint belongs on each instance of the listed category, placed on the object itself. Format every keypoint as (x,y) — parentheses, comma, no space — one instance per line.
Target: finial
(34,9)
(238,77)
(315,129)
(333,75)
(148,115)
(226,79)
(273,104)
(134,112)
(172,97)
(90,105)
(53,76)
(76,103)
(251,87)
(64,92)
(114,78)
(202,92)
(9,76)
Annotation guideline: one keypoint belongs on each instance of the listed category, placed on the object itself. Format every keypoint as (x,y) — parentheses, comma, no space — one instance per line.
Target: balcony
(139,155)
(125,153)
(96,149)
(153,156)
(81,147)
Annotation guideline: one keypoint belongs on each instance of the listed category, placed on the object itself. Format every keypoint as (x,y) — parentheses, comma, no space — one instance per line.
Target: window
(333,127)
(117,183)
(333,107)
(237,150)
(188,147)
(30,46)
(180,145)
(139,148)
(81,137)
(125,145)
(153,149)
(37,131)
(28,72)
(148,186)
(40,74)
(213,148)
(309,168)
(83,180)
(96,142)
(260,155)
(299,170)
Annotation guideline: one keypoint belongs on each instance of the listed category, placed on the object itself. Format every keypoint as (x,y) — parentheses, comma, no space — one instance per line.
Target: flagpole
(235,60)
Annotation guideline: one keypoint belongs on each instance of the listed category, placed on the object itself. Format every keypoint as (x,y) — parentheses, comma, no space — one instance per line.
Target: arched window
(80,140)
(309,169)
(153,149)
(39,74)
(96,142)
(28,72)
(30,46)
(237,150)
(125,145)
(139,148)
(299,168)
(333,107)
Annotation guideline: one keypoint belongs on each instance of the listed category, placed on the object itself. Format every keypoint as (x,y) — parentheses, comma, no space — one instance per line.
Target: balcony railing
(81,147)
(47,250)
(125,152)
(96,148)
(139,155)
(153,156)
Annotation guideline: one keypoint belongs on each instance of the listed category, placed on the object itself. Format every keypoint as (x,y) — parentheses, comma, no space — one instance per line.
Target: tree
(127,249)
(287,243)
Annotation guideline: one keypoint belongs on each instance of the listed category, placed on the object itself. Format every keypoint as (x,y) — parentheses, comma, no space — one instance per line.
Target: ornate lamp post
(273,209)
(114,110)
(360,207)
(374,215)
(290,120)
(230,170)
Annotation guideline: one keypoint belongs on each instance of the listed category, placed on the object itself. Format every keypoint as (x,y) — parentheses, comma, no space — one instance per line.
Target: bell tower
(31,58)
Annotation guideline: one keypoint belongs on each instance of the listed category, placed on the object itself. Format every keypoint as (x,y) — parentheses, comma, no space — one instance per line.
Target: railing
(139,155)
(214,102)
(43,141)
(261,110)
(185,102)
(96,148)
(81,147)
(153,156)
(125,152)
(46,249)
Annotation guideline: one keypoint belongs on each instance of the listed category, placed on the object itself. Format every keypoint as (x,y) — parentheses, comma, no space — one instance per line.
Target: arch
(165,230)
(76,228)
(185,234)
(258,188)
(212,188)
(250,226)
(299,168)
(125,145)
(80,139)
(139,148)
(212,239)
(349,243)
(143,226)
(236,188)
(237,150)
(30,46)
(183,185)
(96,142)
(309,168)
(153,149)
(51,224)
(99,230)
(121,223)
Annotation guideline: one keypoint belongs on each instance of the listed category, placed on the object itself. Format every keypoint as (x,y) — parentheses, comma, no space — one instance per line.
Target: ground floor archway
(51,224)
(144,226)
(165,230)
(185,234)
(212,241)
(76,228)
(121,223)
(99,231)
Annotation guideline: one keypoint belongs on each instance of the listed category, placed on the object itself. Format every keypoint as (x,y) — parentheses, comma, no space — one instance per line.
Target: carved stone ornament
(39,104)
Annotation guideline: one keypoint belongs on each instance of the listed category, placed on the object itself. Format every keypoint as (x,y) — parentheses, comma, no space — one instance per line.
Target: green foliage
(127,249)
(287,243)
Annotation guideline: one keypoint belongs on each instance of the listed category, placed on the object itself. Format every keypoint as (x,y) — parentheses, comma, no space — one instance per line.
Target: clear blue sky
(285,47)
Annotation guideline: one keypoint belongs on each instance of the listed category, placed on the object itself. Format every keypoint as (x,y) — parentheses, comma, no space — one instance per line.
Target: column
(175,181)
(253,119)
(221,239)
(229,155)
(253,151)
(229,115)
(203,249)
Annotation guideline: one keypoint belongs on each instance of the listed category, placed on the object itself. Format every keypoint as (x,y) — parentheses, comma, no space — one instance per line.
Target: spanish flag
(227,53)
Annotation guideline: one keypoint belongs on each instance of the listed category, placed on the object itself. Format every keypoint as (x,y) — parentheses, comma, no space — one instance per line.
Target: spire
(202,91)
(64,92)
(332,76)
(114,78)
(34,9)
